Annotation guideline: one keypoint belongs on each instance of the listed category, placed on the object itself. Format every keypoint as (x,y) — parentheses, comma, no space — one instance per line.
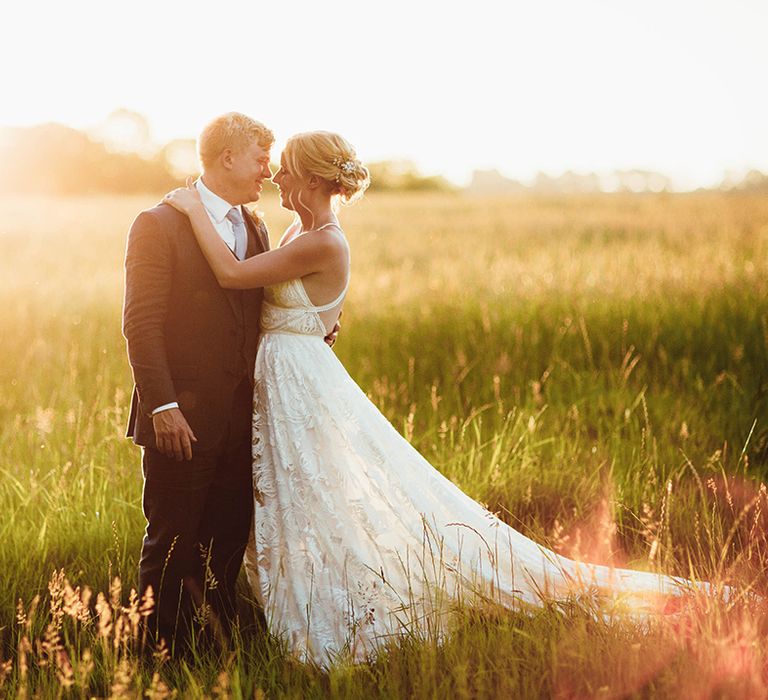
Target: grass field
(594,369)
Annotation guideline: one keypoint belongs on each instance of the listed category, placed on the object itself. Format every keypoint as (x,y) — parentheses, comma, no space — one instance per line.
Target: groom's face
(250,167)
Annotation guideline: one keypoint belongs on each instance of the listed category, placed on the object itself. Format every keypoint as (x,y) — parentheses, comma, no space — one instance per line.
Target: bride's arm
(289,232)
(305,255)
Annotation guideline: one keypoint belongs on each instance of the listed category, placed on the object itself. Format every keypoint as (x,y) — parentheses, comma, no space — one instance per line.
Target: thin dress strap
(328,307)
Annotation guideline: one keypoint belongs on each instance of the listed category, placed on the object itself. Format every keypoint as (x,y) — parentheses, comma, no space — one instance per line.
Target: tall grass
(591,368)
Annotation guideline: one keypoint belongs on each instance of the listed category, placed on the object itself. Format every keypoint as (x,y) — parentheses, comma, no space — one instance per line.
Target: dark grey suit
(191,341)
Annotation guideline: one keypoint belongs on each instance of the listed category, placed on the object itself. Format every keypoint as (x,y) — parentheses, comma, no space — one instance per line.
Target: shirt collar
(216,207)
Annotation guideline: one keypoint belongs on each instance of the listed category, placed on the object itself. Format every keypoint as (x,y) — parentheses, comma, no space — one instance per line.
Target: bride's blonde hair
(331,158)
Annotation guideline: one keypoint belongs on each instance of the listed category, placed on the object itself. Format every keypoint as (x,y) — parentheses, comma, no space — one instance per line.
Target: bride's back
(326,289)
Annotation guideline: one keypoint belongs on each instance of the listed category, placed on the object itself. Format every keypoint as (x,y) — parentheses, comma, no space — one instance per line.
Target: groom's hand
(173,435)
(331,337)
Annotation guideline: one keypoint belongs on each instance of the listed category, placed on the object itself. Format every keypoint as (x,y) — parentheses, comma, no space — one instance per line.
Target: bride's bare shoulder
(330,238)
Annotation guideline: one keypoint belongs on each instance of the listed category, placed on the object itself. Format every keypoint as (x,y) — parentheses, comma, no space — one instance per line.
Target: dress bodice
(288,309)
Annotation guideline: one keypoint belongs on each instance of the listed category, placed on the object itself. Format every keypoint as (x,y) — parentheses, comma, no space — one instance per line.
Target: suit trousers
(199,514)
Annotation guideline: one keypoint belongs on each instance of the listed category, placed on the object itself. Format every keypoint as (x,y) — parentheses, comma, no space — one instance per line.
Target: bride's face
(290,186)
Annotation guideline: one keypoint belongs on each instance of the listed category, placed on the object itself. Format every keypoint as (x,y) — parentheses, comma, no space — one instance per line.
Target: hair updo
(331,158)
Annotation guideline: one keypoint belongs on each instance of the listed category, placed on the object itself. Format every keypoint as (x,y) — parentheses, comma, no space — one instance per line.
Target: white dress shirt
(217,210)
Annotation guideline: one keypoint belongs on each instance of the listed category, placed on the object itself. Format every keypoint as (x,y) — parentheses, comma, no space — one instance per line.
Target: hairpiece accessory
(344,165)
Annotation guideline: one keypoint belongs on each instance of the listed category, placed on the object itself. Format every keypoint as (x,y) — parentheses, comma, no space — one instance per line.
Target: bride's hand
(185,199)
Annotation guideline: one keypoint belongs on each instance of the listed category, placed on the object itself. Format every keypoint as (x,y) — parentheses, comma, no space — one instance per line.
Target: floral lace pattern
(287,309)
(356,537)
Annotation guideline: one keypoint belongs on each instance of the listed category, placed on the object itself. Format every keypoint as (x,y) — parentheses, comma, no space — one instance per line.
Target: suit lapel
(231,295)
(258,240)
(242,301)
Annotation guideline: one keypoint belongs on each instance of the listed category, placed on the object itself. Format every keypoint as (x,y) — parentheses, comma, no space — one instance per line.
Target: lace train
(357,537)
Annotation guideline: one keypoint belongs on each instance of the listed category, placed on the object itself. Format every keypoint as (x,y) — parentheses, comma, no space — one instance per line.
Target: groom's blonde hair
(231,130)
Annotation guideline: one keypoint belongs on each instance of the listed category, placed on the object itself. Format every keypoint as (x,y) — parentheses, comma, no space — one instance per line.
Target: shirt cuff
(165,407)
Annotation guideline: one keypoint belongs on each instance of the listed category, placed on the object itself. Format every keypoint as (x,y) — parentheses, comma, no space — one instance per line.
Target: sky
(676,86)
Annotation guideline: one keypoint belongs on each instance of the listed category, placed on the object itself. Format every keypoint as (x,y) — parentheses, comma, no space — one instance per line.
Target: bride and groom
(258,444)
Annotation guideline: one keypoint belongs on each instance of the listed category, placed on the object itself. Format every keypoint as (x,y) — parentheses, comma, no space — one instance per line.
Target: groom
(192,348)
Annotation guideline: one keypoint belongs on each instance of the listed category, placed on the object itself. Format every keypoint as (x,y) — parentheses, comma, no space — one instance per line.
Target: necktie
(241,236)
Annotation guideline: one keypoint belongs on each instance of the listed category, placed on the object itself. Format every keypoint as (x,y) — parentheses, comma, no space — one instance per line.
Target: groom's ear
(226,158)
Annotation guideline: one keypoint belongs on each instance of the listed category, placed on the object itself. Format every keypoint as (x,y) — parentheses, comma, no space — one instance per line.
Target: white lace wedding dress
(358,538)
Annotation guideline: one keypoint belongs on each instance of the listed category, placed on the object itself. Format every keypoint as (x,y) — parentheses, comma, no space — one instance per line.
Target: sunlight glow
(520,87)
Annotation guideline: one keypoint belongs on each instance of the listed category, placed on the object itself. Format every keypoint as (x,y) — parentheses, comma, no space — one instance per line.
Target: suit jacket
(189,340)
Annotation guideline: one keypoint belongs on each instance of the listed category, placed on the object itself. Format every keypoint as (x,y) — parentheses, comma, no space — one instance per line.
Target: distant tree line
(493,182)
(488,181)
(753,181)
(399,175)
(119,157)
(56,159)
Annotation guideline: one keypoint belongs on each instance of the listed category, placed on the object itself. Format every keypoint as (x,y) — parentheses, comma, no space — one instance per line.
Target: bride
(357,538)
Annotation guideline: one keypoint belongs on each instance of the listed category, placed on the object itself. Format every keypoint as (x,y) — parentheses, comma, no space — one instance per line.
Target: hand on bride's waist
(334,334)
